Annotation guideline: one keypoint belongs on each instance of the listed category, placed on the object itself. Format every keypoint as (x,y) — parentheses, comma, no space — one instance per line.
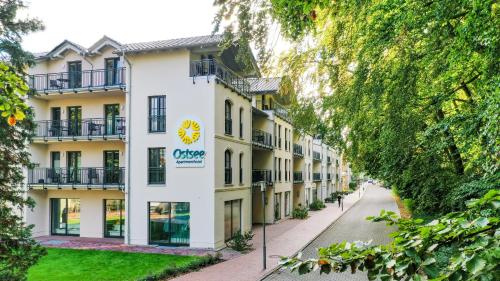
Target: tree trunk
(454,153)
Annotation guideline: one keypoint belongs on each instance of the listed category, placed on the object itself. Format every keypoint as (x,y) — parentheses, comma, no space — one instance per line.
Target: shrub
(241,242)
(173,271)
(317,205)
(352,185)
(300,213)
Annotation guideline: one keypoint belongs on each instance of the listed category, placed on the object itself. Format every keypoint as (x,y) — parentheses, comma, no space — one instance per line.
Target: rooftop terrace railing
(209,67)
(78,80)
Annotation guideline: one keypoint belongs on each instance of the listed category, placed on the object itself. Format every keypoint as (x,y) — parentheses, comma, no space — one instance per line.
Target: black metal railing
(298,177)
(157,123)
(262,175)
(316,156)
(77,80)
(297,150)
(91,127)
(156,175)
(316,176)
(261,138)
(61,177)
(210,67)
(228,126)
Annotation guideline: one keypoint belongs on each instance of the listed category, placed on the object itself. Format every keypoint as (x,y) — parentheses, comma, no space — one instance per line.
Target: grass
(80,265)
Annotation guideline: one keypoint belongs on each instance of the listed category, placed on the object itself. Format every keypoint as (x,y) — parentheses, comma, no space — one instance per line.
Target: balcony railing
(209,67)
(316,156)
(262,175)
(297,150)
(90,128)
(78,80)
(262,139)
(88,177)
(297,177)
(316,176)
(278,109)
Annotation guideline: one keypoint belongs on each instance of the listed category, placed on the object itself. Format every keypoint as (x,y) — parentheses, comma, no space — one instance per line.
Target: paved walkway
(283,239)
(351,227)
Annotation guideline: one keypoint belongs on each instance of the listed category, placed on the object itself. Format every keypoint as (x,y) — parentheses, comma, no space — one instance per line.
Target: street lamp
(263,190)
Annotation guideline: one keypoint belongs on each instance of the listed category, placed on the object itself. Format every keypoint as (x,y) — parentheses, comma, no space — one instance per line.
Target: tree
(415,252)
(409,89)
(18,251)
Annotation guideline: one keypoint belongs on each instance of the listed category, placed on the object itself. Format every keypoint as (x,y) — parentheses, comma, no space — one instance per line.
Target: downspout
(129,142)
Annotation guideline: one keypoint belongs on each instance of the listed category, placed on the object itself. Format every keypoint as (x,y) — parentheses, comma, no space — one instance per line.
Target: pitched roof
(264,85)
(170,44)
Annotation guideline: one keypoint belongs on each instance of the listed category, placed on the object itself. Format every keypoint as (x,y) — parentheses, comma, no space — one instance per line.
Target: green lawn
(76,265)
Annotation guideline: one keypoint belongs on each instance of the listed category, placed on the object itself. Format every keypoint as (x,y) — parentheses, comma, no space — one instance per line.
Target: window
(157,114)
(287,203)
(169,223)
(232,218)
(286,169)
(228,123)
(286,139)
(275,169)
(279,136)
(241,168)
(228,171)
(114,218)
(65,216)
(277,206)
(156,165)
(241,122)
(279,169)
(275,136)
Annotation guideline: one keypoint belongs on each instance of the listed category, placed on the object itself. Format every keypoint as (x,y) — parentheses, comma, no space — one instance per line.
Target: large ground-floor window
(114,217)
(64,216)
(232,218)
(169,223)
(277,206)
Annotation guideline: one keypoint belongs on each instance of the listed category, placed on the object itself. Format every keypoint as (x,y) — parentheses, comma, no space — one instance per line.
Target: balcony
(262,139)
(316,156)
(83,129)
(224,75)
(297,150)
(316,176)
(89,178)
(262,175)
(78,81)
(297,177)
(278,109)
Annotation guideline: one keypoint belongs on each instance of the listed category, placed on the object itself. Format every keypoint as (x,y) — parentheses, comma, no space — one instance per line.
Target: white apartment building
(160,143)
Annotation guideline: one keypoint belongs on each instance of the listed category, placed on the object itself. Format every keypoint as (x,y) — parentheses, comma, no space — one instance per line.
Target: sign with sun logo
(189,143)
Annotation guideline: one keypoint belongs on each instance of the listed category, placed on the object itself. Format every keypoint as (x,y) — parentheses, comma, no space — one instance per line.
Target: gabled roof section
(61,48)
(105,41)
(264,85)
(171,44)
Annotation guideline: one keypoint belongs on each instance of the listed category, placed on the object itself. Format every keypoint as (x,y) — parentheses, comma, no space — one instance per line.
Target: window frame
(150,149)
(159,118)
(228,167)
(228,117)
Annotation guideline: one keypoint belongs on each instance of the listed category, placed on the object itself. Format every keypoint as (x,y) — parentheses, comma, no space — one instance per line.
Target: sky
(85,22)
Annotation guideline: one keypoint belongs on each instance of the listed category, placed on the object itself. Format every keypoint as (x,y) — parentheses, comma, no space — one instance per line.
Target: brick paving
(283,239)
(352,226)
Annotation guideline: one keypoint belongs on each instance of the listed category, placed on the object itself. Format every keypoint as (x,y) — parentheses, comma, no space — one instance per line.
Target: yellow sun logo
(189,126)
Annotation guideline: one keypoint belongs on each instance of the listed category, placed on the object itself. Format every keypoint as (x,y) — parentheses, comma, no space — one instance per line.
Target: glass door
(75,74)
(111,116)
(111,167)
(169,223)
(74,162)
(111,75)
(277,206)
(114,218)
(65,216)
(55,122)
(55,167)
(74,121)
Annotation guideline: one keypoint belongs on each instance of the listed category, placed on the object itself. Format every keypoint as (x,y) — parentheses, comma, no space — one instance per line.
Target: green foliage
(317,205)
(352,186)
(300,213)
(457,246)
(241,242)
(407,89)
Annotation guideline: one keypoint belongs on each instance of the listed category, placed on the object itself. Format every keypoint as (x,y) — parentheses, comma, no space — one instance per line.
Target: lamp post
(263,190)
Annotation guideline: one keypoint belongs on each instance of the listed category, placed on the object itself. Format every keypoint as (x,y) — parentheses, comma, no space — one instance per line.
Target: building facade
(164,143)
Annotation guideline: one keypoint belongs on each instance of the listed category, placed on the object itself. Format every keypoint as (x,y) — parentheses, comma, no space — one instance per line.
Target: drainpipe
(129,142)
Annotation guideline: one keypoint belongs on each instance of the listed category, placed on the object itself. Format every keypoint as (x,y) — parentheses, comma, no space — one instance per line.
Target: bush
(352,186)
(173,271)
(317,205)
(241,242)
(300,213)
